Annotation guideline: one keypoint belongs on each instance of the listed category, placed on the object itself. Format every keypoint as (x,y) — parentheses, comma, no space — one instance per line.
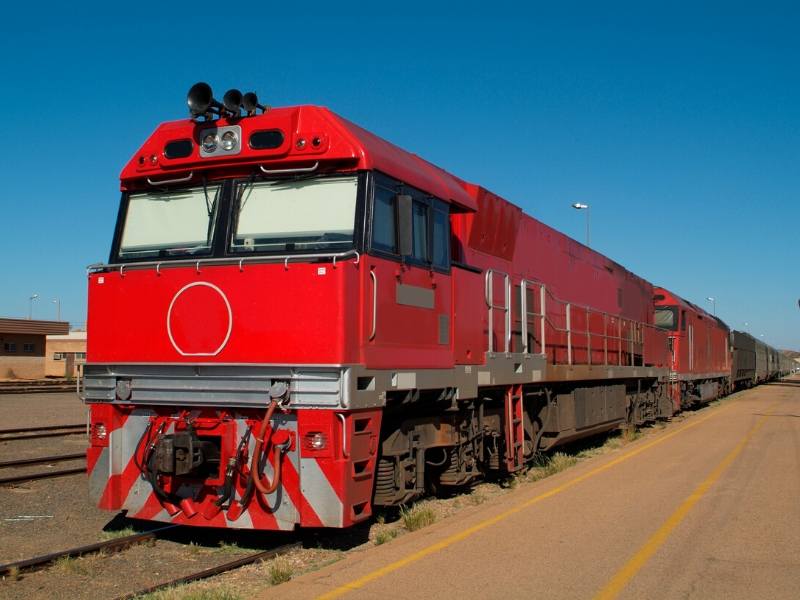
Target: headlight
(210,142)
(229,141)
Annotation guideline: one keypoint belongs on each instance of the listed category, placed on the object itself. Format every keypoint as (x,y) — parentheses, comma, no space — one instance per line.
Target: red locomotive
(699,342)
(300,321)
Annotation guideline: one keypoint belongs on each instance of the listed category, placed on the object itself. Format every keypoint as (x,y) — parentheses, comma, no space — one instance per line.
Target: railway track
(36,387)
(26,462)
(219,569)
(31,433)
(119,544)
(108,546)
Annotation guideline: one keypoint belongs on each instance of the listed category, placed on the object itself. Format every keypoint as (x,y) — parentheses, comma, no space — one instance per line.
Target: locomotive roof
(308,135)
(676,299)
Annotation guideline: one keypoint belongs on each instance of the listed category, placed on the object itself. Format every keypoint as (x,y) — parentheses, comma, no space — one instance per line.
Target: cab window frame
(432,206)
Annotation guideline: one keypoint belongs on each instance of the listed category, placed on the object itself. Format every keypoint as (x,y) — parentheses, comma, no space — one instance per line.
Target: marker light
(316,441)
(229,140)
(210,142)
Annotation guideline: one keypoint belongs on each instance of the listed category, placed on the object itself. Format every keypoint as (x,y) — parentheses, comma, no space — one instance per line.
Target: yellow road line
(457,537)
(632,567)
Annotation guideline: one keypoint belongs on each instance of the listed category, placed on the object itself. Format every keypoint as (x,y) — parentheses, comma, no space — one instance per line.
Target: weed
(229,548)
(13,574)
(417,517)
(181,593)
(280,571)
(385,535)
(560,461)
(476,498)
(545,466)
(118,533)
(74,566)
(631,434)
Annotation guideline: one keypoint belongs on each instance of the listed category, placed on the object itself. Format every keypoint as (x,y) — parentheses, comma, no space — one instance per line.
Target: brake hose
(262,447)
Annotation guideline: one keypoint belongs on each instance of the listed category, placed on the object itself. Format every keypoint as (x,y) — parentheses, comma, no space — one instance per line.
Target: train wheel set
(300,321)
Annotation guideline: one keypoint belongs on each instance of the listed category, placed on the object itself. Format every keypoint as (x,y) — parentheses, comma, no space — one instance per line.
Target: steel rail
(223,568)
(45,428)
(41,460)
(43,475)
(36,436)
(38,562)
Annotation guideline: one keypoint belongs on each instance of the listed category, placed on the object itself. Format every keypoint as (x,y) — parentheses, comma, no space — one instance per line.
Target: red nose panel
(199,320)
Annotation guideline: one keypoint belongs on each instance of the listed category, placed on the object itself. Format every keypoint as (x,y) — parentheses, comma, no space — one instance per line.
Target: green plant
(118,533)
(280,571)
(417,517)
(74,566)
(385,535)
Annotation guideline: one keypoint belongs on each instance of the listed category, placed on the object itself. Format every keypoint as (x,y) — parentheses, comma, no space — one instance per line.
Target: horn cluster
(201,103)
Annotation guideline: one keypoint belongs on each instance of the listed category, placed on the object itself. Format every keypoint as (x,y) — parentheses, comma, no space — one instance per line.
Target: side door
(407,295)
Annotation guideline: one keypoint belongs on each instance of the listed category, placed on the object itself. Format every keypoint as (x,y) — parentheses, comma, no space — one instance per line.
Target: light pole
(579,206)
(30,305)
(57,302)
(713,305)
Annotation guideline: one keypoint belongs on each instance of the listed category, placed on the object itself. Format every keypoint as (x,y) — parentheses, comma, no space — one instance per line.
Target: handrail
(233,260)
(505,307)
(310,169)
(374,304)
(169,181)
(345,453)
(628,337)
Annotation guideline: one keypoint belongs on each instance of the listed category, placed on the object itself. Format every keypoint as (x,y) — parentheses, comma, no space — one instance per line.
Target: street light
(579,206)
(30,305)
(57,302)
(713,305)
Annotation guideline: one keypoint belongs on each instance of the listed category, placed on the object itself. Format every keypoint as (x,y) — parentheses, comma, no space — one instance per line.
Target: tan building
(22,346)
(65,354)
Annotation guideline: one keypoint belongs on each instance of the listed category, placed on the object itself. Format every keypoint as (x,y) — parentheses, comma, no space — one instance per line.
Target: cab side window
(441,235)
(420,228)
(384,220)
(428,225)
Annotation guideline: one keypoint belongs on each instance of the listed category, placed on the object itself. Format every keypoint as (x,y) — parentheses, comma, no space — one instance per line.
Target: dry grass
(417,517)
(82,565)
(385,535)
(13,574)
(546,466)
(185,593)
(118,533)
(230,548)
(280,571)
(630,434)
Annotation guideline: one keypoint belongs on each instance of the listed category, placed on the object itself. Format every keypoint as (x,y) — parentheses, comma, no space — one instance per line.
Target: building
(22,346)
(65,354)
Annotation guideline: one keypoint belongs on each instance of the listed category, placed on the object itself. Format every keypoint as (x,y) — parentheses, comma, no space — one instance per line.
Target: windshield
(310,214)
(171,223)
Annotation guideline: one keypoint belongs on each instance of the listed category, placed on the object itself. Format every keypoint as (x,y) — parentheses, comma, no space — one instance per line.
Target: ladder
(515,431)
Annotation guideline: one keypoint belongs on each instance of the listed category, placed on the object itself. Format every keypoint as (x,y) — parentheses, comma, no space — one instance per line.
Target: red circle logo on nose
(199,320)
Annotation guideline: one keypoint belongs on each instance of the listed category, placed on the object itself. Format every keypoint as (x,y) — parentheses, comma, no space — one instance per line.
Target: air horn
(232,101)
(200,100)
(250,103)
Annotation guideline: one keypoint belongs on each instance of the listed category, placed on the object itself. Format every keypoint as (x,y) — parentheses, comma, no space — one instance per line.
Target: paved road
(707,508)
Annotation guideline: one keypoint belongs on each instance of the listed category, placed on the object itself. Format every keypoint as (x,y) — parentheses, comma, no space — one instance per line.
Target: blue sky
(679,124)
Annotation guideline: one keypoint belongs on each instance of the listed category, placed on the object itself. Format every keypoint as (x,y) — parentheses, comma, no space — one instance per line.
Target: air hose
(265,443)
